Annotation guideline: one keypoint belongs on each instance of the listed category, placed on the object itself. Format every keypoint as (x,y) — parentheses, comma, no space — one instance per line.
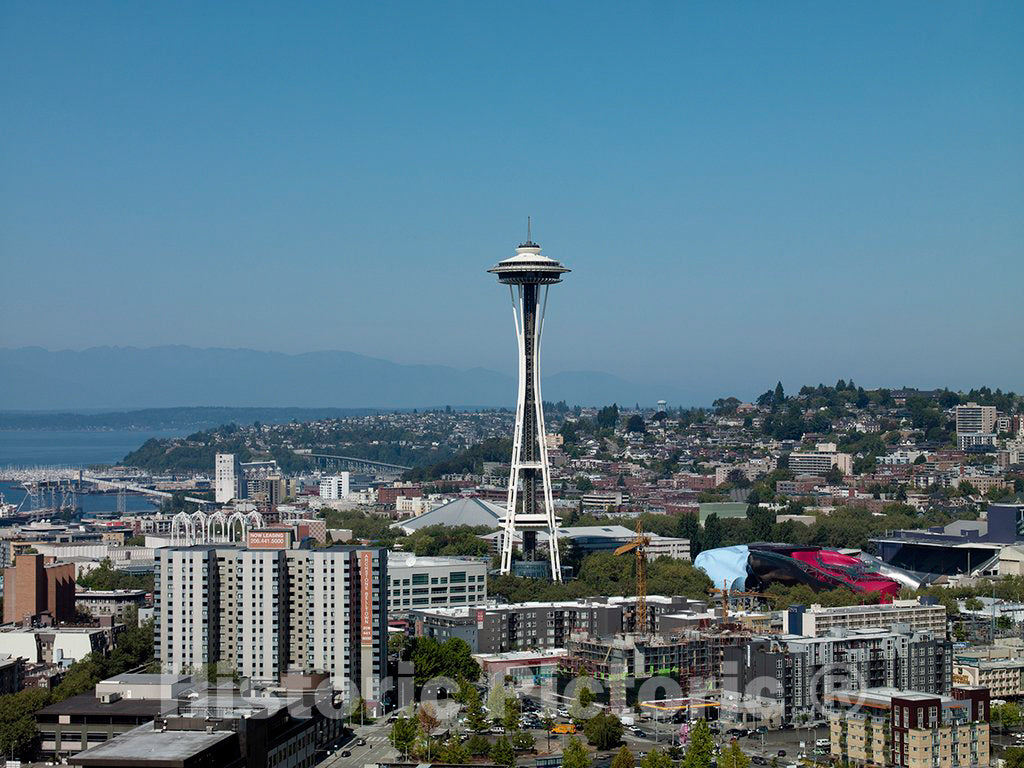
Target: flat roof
(154,747)
(88,704)
(146,678)
(543,653)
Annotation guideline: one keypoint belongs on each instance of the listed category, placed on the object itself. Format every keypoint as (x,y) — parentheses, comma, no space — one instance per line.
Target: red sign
(366,594)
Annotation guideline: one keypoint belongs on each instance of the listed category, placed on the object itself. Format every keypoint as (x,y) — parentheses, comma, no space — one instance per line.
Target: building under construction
(624,663)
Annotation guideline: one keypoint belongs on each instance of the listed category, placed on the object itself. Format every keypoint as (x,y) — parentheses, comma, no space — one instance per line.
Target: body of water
(89,503)
(56,448)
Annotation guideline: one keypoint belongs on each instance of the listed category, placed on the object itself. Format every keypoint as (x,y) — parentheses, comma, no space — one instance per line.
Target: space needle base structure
(530,507)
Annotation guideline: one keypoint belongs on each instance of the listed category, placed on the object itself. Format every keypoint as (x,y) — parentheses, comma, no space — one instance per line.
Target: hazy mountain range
(32,378)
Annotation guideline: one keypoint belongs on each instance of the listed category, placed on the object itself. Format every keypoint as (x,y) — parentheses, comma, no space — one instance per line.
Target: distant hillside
(188,417)
(125,378)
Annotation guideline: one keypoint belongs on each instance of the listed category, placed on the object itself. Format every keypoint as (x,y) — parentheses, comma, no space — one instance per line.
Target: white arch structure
(188,528)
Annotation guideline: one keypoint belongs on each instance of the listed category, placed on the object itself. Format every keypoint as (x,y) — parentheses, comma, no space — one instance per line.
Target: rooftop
(88,704)
(145,743)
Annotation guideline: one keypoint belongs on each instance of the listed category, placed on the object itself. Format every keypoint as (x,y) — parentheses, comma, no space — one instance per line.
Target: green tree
(478,745)
(733,757)
(453,658)
(779,396)
(476,718)
(502,753)
(701,747)
(623,759)
(656,759)
(403,734)
(712,535)
(523,741)
(603,730)
(1014,757)
(549,723)
(575,755)
(453,752)
(635,423)
(608,416)
(1006,714)
(512,710)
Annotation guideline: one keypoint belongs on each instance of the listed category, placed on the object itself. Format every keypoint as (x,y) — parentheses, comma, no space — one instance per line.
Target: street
(376,750)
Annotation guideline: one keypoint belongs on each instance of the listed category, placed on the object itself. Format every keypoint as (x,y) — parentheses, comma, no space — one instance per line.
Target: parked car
(360,742)
(346,753)
(640,734)
(781,753)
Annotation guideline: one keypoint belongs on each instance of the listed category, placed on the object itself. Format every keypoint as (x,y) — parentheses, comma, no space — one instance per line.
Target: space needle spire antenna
(530,506)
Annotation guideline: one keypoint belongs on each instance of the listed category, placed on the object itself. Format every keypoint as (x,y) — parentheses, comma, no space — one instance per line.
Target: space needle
(528,275)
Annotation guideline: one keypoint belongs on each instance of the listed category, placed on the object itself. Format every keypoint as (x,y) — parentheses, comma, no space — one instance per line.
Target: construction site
(668,663)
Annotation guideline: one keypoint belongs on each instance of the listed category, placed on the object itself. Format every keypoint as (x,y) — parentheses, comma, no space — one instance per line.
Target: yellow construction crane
(639,545)
(727,595)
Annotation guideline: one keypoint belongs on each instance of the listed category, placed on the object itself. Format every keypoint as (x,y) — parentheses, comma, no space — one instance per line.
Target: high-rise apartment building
(228,483)
(265,609)
(975,425)
(975,419)
(335,487)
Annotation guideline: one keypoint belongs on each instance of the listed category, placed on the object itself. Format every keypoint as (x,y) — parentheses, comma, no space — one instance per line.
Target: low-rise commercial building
(228,731)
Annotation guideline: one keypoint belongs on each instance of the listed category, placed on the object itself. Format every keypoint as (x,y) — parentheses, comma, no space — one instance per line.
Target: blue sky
(745,191)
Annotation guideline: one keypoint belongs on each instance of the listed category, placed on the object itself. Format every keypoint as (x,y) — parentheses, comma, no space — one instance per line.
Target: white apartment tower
(335,487)
(265,609)
(227,478)
(975,425)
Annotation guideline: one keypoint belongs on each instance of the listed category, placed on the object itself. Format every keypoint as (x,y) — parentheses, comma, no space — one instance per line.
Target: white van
(822,743)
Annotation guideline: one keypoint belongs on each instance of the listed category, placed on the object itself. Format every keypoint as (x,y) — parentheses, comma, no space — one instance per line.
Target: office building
(816,620)
(265,609)
(36,586)
(228,482)
(439,582)
(820,461)
(116,706)
(910,729)
(335,487)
